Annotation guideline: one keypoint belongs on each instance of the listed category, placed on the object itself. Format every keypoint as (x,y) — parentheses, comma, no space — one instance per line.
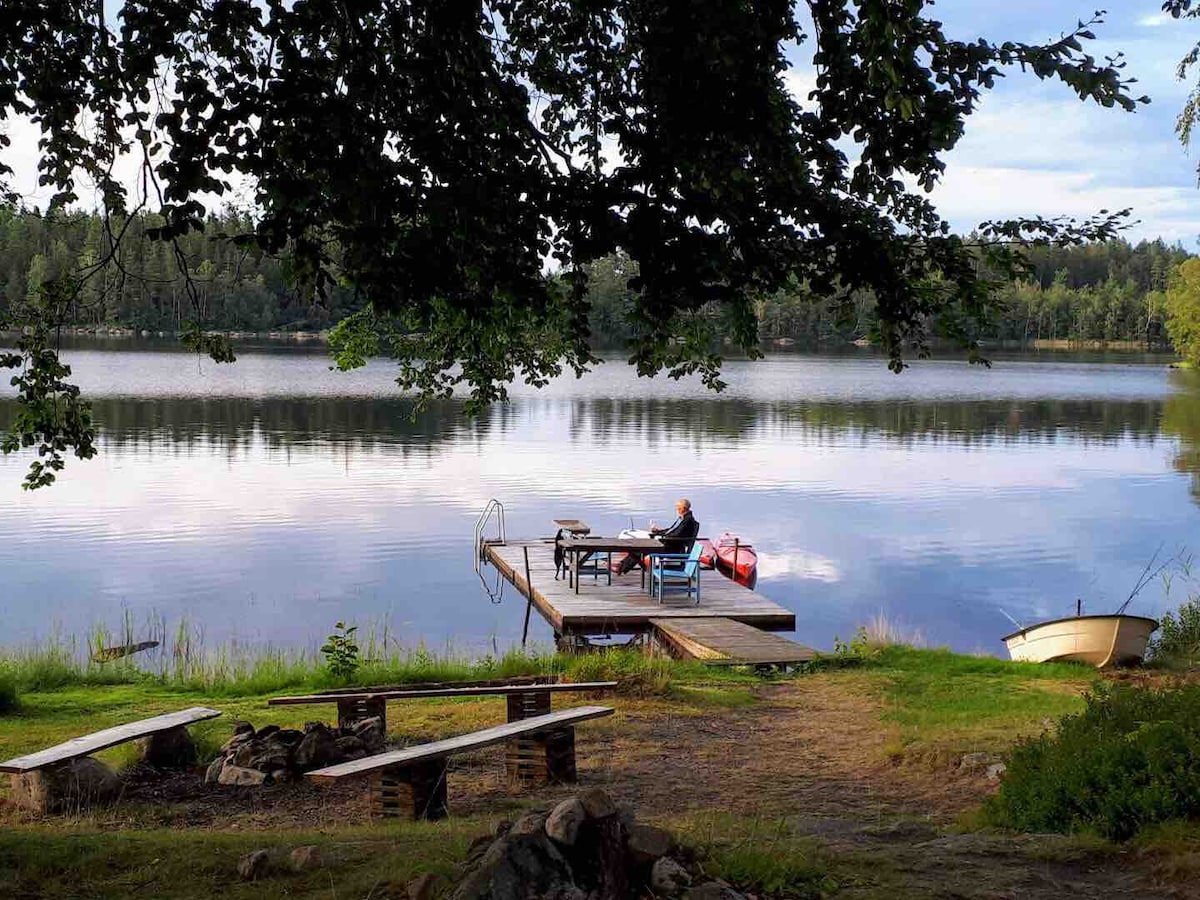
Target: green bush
(8,692)
(1177,644)
(1129,760)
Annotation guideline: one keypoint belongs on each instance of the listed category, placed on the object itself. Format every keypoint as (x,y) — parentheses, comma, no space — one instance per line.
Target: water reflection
(1181,419)
(367,423)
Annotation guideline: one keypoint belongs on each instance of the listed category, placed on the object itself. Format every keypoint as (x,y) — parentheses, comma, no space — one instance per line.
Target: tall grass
(184,661)
(882,631)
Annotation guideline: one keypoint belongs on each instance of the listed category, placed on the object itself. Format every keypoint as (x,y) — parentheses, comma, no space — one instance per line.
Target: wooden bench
(412,781)
(524,700)
(109,737)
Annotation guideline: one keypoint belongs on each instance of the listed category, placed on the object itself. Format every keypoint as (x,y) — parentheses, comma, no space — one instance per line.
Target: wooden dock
(728,614)
(721,641)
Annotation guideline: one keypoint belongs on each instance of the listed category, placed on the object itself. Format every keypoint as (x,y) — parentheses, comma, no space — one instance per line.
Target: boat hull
(736,560)
(1097,640)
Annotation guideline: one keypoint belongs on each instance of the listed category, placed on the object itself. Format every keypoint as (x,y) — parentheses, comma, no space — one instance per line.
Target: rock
(564,821)
(647,843)
(668,877)
(270,760)
(304,858)
(531,823)
(237,741)
(713,890)
(976,762)
(234,774)
(279,776)
(213,775)
(995,770)
(316,750)
(424,887)
(597,804)
(254,865)
(73,785)
(241,726)
(173,749)
(520,867)
(349,747)
(370,732)
(288,737)
(265,732)
(244,753)
(503,827)
(477,848)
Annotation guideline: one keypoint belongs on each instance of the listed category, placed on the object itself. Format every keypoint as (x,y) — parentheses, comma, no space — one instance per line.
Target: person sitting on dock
(677,537)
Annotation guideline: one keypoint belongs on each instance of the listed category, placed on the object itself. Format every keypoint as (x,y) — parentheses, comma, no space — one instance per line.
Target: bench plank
(558,687)
(110,737)
(473,741)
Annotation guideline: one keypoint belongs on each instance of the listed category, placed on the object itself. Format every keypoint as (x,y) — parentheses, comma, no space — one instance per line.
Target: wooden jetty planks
(626,606)
(728,642)
(110,737)
(473,741)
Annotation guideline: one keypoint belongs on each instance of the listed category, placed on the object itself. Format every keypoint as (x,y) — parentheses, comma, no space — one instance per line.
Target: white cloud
(1155,20)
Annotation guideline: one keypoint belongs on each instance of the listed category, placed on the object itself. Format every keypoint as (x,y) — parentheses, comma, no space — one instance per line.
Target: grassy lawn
(934,703)
(946,703)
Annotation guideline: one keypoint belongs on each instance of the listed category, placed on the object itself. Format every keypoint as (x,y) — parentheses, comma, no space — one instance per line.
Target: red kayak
(734,558)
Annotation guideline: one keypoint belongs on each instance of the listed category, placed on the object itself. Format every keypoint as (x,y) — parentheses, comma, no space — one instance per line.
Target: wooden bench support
(546,758)
(414,791)
(353,710)
(524,706)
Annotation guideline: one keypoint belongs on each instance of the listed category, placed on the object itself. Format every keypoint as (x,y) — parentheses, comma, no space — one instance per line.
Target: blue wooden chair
(673,579)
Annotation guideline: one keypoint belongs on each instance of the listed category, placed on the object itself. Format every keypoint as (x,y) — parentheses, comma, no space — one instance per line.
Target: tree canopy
(1183,311)
(460,164)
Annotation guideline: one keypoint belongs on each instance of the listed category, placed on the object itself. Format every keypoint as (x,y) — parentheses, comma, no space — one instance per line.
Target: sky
(1032,148)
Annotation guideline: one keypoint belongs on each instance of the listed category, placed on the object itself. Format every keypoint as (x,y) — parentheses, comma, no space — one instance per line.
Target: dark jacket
(679,537)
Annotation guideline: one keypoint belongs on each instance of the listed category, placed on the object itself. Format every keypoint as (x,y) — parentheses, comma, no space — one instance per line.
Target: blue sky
(1032,148)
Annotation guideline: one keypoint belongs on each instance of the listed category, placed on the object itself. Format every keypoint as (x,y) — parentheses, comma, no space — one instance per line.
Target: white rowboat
(1099,640)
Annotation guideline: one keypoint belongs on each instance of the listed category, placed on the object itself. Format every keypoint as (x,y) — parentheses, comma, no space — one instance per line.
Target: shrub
(1130,759)
(8,692)
(1178,642)
(341,651)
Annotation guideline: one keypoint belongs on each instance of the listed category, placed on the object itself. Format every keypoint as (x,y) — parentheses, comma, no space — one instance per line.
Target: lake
(264,501)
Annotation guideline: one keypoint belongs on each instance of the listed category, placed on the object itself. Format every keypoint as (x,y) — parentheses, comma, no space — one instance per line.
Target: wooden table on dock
(579,550)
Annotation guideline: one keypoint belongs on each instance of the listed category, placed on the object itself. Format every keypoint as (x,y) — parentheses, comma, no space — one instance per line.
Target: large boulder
(241,775)
(172,749)
(564,822)
(317,749)
(668,878)
(648,843)
(521,867)
(73,785)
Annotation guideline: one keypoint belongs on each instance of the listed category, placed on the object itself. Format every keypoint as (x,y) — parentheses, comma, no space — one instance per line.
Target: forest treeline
(1113,291)
(143,288)
(1098,292)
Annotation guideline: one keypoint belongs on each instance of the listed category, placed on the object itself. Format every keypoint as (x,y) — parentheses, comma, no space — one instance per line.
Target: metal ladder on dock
(493,510)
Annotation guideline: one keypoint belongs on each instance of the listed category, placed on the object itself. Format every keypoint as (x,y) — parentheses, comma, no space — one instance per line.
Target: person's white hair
(684,502)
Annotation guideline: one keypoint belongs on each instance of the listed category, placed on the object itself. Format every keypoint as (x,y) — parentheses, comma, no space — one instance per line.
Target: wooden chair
(666,579)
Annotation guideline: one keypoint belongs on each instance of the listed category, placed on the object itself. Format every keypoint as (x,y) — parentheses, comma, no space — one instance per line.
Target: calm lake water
(266,500)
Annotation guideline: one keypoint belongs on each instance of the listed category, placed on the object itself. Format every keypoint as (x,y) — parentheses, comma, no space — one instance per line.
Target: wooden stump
(351,712)
(415,791)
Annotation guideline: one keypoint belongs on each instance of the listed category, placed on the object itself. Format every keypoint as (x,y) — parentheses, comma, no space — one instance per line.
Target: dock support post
(416,790)
(529,605)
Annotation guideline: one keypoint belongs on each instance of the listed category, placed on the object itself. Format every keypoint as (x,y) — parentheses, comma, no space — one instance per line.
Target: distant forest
(1097,292)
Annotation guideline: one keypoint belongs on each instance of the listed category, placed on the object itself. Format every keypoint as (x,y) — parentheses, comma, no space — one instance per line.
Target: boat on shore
(1101,641)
